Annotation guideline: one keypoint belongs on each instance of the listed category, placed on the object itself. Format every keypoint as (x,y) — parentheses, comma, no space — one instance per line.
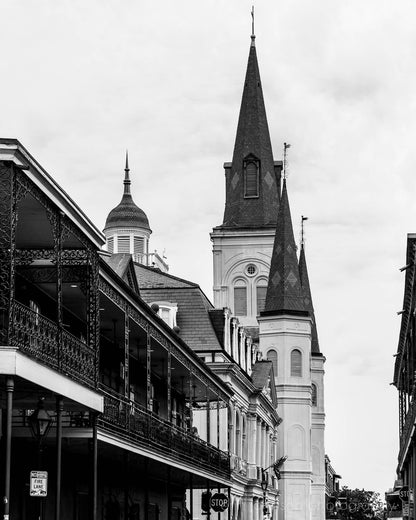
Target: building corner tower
(242,244)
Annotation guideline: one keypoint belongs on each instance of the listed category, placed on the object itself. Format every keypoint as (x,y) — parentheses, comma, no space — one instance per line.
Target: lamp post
(40,423)
(265,482)
(264,485)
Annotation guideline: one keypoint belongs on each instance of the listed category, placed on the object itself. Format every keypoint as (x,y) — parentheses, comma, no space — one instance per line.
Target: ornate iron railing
(40,338)
(407,429)
(135,424)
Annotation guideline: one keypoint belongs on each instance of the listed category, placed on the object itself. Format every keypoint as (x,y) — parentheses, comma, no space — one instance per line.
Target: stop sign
(219,502)
(404,493)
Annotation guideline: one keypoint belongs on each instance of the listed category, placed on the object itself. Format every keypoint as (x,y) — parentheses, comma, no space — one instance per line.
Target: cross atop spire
(127,180)
(253,36)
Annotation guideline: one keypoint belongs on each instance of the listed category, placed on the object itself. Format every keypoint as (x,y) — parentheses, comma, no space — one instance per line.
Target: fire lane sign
(38,483)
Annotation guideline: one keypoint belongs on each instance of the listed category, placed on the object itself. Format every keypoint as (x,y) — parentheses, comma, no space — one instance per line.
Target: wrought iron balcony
(136,425)
(407,429)
(41,339)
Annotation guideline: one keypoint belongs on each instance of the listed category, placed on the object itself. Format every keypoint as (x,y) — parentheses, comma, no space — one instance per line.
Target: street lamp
(40,421)
(265,481)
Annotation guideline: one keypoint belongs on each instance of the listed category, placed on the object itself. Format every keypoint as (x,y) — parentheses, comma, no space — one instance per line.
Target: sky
(82,81)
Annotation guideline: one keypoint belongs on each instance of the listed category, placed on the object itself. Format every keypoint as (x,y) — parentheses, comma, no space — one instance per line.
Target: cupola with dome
(127,228)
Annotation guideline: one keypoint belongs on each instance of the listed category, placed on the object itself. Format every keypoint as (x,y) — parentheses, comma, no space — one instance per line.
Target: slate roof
(284,290)
(122,264)
(307,298)
(252,138)
(127,213)
(193,318)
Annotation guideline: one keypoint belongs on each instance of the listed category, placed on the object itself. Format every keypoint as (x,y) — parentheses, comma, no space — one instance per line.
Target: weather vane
(285,163)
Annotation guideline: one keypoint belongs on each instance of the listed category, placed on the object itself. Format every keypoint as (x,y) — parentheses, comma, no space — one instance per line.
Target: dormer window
(167,311)
(251,177)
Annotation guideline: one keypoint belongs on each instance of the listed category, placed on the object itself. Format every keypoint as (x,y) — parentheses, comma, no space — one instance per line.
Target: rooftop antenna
(285,162)
(302,231)
(253,37)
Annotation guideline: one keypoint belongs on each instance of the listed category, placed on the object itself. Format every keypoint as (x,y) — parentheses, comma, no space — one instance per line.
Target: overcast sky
(82,80)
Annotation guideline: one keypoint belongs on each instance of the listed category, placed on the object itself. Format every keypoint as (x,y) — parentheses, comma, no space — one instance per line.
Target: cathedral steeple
(252,178)
(284,291)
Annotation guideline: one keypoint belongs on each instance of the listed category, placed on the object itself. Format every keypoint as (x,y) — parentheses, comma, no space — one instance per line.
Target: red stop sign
(219,502)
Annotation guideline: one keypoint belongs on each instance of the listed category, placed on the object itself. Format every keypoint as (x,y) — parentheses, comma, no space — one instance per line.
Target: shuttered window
(296,363)
(272,356)
(138,245)
(110,245)
(123,244)
(240,301)
(251,178)
(261,298)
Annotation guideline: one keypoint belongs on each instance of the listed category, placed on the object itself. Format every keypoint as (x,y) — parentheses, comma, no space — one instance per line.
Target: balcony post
(7,248)
(57,229)
(169,389)
(59,409)
(6,499)
(208,419)
(94,498)
(148,372)
(126,355)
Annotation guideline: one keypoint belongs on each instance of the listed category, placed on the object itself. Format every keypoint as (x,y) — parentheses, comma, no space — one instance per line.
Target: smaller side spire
(307,295)
(127,181)
(284,289)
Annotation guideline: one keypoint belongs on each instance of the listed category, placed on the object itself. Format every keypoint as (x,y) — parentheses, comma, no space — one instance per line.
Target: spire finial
(302,232)
(127,180)
(253,37)
(285,148)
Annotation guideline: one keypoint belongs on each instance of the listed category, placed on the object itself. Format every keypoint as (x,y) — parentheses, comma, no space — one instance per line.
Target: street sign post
(219,502)
(38,483)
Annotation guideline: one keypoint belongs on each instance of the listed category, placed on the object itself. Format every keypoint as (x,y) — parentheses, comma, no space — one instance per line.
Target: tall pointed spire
(253,178)
(307,295)
(284,291)
(127,181)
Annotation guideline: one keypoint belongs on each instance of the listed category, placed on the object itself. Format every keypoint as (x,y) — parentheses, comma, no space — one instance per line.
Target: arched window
(314,395)
(261,291)
(272,356)
(296,363)
(251,178)
(240,298)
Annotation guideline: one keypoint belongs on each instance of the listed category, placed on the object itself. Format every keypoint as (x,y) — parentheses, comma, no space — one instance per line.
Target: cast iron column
(6,499)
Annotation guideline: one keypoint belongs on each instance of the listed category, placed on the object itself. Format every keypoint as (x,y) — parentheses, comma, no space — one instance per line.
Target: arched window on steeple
(314,395)
(296,363)
(251,177)
(240,298)
(272,356)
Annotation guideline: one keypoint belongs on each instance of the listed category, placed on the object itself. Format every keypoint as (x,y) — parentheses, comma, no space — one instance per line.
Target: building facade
(98,393)
(405,376)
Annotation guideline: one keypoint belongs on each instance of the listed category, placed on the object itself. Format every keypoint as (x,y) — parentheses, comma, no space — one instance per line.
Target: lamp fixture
(40,421)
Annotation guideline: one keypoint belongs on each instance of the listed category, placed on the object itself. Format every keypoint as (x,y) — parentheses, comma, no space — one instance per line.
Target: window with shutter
(110,245)
(240,301)
(272,356)
(261,298)
(251,179)
(123,244)
(138,245)
(296,363)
